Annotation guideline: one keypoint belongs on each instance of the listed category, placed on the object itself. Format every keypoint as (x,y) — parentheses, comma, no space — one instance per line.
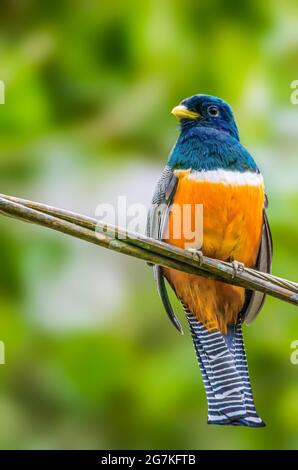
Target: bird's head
(206,111)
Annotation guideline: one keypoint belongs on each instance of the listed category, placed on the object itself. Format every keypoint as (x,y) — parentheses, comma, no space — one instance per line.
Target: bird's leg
(238,267)
(197,254)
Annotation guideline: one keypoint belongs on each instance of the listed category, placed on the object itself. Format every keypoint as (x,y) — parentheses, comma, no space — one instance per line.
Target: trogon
(208,167)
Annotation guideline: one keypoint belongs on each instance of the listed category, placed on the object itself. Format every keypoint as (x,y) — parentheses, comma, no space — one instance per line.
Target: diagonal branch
(142,247)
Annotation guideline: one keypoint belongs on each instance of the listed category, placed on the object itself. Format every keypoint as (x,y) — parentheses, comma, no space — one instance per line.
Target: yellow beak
(181,112)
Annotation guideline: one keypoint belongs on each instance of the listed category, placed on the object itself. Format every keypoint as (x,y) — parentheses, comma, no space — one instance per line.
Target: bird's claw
(197,254)
(238,267)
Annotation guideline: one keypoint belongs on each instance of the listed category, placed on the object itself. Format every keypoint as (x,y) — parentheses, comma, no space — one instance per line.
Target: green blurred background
(92,361)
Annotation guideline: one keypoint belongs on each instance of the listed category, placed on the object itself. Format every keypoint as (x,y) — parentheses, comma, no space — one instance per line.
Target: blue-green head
(209,137)
(206,111)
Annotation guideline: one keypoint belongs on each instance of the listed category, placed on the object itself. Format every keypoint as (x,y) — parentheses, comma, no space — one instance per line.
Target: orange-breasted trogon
(208,166)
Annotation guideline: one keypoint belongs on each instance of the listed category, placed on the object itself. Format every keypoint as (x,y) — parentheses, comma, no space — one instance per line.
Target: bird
(208,167)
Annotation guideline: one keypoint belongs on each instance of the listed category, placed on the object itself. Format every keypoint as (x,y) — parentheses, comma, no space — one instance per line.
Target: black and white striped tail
(224,370)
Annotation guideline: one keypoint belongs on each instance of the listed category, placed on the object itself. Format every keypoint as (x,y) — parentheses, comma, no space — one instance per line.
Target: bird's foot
(197,254)
(238,267)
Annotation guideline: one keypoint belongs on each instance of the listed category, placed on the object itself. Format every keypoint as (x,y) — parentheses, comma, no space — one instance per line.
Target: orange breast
(232,223)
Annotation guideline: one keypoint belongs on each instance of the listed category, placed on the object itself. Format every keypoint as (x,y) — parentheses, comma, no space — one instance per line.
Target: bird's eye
(213,111)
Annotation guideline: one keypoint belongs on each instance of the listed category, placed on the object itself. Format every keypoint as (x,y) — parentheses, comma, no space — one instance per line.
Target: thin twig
(142,247)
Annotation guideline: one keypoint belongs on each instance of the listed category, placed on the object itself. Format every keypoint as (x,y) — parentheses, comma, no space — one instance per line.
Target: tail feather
(224,369)
(242,366)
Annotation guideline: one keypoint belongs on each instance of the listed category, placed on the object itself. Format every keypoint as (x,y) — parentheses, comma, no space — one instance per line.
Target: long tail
(223,365)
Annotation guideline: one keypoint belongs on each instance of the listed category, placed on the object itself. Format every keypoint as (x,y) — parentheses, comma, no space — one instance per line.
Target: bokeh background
(92,361)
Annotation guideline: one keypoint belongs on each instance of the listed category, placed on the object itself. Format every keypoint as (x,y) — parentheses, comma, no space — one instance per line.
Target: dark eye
(213,111)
